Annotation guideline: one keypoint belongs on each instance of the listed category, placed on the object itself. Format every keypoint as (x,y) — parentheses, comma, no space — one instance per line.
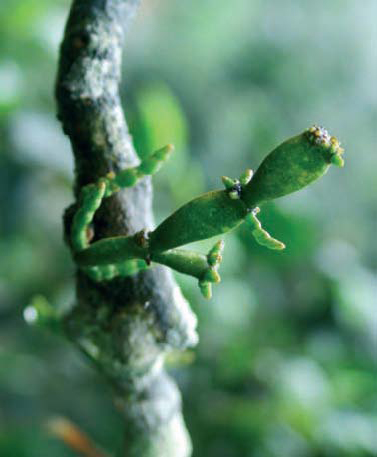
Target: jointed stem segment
(90,200)
(262,236)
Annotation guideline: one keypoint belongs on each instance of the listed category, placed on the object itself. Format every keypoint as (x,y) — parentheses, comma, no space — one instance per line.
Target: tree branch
(125,325)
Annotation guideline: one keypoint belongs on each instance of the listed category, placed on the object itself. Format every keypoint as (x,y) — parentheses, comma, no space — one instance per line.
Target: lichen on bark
(127,325)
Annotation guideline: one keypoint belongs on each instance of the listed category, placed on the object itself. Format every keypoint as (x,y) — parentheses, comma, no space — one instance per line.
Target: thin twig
(73,437)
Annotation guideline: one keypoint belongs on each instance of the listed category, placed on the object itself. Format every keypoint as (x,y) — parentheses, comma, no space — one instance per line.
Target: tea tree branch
(124,325)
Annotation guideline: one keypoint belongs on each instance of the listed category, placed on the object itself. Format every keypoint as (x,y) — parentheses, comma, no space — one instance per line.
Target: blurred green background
(286,365)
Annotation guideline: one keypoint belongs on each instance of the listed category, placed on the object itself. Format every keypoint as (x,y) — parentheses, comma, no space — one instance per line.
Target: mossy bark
(125,326)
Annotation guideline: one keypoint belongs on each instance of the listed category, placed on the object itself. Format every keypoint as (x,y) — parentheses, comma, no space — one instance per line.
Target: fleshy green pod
(209,215)
(186,262)
(293,165)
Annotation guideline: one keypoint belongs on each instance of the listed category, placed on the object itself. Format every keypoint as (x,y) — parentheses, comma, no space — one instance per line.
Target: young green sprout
(291,166)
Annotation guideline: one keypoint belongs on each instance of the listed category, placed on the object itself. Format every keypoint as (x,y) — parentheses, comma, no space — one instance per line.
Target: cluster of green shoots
(291,166)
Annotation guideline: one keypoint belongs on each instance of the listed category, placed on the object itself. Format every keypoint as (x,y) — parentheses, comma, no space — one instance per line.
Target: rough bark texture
(125,325)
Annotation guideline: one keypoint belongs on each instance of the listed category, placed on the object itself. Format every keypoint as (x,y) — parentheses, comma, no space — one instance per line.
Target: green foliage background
(286,365)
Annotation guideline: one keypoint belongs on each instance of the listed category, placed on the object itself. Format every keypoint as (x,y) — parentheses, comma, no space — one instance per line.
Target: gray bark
(125,326)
